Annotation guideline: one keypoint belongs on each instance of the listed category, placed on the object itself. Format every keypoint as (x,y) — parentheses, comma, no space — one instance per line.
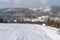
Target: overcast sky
(28,3)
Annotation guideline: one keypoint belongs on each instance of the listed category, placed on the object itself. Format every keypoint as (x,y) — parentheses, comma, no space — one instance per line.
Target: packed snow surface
(28,32)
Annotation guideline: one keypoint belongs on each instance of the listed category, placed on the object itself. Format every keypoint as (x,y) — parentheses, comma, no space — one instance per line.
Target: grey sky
(28,3)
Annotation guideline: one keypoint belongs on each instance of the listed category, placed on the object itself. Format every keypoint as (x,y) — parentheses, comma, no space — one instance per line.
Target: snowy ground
(28,32)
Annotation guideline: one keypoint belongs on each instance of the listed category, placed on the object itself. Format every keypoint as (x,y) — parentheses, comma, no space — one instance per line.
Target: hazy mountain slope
(52,11)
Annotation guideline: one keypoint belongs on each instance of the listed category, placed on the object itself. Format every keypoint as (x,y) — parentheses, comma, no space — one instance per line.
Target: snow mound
(28,32)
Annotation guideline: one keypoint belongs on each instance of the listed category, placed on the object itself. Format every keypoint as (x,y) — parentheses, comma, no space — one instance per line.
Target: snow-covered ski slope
(28,32)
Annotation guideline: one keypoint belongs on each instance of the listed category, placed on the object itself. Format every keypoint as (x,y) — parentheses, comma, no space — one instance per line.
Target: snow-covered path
(28,32)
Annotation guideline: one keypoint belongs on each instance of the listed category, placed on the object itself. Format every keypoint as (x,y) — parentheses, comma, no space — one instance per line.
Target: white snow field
(28,32)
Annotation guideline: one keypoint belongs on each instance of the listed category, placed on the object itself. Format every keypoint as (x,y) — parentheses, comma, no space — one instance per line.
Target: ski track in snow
(28,32)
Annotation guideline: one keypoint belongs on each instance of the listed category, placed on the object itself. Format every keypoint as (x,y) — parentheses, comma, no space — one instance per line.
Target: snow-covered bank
(28,32)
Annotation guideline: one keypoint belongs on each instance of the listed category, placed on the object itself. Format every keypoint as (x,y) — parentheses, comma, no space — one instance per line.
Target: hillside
(28,32)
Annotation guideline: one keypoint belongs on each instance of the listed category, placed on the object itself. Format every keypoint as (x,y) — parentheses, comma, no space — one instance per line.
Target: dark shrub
(1,20)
